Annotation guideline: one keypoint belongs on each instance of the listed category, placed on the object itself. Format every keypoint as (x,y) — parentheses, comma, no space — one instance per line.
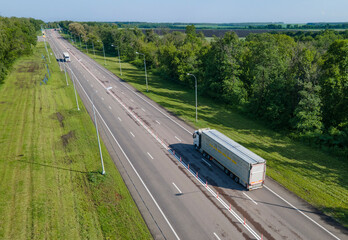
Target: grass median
(311,174)
(50,181)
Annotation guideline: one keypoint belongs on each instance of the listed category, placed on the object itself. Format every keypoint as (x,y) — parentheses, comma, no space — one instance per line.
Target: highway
(179,194)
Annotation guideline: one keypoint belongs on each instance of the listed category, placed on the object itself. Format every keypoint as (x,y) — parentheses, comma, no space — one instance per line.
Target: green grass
(313,175)
(50,181)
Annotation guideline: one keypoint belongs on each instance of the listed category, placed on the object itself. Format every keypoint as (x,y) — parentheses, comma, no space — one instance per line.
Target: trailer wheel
(227,171)
(236,179)
(204,154)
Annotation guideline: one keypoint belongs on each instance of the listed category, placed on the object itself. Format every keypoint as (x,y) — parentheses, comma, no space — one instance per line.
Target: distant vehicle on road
(66,57)
(241,164)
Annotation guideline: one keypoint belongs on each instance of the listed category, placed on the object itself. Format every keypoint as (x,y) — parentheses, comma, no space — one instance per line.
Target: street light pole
(96,127)
(86,47)
(93,48)
(195,91)
(80,41)
(66,78)
(119,59)
(147,89)
(49,59)
(104,53)
(77,102)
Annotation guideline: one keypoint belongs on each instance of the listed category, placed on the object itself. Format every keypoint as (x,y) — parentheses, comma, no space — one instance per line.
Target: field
(50,181)
(313,175)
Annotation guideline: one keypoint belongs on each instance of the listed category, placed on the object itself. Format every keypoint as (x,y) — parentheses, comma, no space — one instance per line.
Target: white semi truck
(66,57)
(244,166)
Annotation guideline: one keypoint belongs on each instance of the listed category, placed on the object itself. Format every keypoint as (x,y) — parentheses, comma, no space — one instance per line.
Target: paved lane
(196,213)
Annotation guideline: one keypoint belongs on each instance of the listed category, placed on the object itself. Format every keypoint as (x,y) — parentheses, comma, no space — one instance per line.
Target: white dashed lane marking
(150,155)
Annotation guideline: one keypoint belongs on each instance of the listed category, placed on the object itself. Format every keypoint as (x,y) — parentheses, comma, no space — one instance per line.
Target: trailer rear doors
(257,175)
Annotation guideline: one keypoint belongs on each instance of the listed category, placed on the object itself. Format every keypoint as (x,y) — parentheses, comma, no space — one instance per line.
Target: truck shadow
(207,171)
(210,173)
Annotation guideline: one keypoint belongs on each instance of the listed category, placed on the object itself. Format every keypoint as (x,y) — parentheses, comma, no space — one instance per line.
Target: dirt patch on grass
(67,137)
(28,67)
(60,118)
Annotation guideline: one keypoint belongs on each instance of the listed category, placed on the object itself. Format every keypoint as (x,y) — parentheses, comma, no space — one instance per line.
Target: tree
(266,77)
(222,67)
(78,30)
(334,84)
(307,118)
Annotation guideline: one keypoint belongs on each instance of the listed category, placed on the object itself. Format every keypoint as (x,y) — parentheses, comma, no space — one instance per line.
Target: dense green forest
(17,36)
(296,84)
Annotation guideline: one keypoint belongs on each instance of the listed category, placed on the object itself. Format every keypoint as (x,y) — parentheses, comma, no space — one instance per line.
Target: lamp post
(80,41)
(77,102)
(147,89)
(49,59)
(96,127)
(72,78)
(119,59)
(195,91)
(86,46)
(66,78)
(103,51)
(93,48)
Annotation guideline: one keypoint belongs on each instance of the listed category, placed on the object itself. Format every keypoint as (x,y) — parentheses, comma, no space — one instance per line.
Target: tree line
(296,84)
(259,25)
(17,36)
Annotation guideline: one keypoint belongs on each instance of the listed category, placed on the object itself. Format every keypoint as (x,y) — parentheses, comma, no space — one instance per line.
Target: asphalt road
(146,143)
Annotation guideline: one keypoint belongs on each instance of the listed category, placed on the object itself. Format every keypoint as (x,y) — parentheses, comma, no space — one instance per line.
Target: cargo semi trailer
(241,164)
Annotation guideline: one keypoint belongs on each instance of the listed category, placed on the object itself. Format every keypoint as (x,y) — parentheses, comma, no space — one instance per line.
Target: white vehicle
(241,164)
(66,57)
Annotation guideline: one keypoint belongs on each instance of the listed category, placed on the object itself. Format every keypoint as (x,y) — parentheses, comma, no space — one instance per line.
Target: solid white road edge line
(191,133)
(113,76)
(208,188)
(130,163)
(302,213)
(138,95)
(177,188)
(250,198)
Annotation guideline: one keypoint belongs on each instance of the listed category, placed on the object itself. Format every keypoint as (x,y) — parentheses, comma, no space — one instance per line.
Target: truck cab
(66,57)
(196,138)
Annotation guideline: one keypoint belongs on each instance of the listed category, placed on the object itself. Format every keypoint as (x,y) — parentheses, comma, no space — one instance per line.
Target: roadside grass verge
(315,176)
(50,181)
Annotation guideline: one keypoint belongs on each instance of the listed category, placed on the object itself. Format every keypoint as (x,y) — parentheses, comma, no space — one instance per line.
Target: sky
(188,11)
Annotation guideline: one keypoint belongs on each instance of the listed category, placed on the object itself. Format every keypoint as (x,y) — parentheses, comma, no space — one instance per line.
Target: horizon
(180,11)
